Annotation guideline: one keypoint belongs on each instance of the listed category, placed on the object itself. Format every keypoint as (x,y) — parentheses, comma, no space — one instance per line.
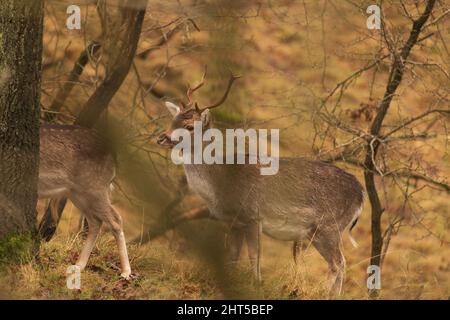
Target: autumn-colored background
(292,55)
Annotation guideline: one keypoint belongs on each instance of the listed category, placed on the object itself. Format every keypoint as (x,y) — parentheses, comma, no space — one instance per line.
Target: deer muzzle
(165,141)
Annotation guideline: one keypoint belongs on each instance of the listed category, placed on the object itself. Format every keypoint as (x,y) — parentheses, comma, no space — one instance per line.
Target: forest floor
(170,268)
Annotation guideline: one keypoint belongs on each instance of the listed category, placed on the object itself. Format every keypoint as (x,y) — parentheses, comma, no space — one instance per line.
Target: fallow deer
(305,201)
(76,163)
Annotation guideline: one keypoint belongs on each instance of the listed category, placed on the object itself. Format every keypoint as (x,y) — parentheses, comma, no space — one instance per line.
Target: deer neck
(202,178)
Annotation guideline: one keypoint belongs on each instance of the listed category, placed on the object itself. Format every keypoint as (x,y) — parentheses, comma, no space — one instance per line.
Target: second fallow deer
(76,163)
(305,201)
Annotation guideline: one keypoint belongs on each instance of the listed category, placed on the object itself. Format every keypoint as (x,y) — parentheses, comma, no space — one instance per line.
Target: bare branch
(75,74)
(101,98)
(165,38)
(423,115)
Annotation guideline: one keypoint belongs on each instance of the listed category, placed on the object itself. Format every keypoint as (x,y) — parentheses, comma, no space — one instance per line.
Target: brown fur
(76,163)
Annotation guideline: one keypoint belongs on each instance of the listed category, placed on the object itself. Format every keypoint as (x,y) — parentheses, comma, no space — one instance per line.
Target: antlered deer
(305,200)
(75,163)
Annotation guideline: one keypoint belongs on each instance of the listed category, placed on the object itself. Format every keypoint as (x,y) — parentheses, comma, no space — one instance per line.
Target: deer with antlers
(305,201)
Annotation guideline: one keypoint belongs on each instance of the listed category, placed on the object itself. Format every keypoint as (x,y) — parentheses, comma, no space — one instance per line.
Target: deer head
(185,114)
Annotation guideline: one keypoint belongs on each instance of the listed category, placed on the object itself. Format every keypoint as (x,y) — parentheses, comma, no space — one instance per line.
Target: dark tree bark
(21,27)
(396,76)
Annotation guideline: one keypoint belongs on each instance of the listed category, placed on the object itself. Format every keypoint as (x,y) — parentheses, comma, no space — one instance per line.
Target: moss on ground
(16,248)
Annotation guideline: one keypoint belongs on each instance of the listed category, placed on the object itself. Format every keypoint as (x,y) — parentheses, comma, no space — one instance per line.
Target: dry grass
(170,268)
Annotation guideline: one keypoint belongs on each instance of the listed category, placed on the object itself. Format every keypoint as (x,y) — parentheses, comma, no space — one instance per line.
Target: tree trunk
(21,27)
(133,13)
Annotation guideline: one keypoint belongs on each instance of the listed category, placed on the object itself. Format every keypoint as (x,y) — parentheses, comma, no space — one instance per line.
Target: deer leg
(97,206)
(253,239)
(115,225)
(298,248)
(234,243)
(88,207)
(330,249)
(94,228)
(123,254)
(50,220)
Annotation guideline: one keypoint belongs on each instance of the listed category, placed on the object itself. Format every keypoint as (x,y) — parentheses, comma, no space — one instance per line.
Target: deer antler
(190,90)
(183,105)
(225,95)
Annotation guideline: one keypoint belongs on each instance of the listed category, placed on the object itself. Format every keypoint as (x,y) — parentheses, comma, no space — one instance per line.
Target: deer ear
(205,117)
(173,109)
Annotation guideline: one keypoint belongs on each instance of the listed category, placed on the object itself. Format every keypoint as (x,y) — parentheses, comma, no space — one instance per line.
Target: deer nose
(164,140)
(161,138)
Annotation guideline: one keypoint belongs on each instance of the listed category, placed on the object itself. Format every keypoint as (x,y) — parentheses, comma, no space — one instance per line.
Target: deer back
(73,157)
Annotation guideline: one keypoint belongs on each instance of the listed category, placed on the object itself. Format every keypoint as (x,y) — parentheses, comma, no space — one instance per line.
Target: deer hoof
(126,275)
